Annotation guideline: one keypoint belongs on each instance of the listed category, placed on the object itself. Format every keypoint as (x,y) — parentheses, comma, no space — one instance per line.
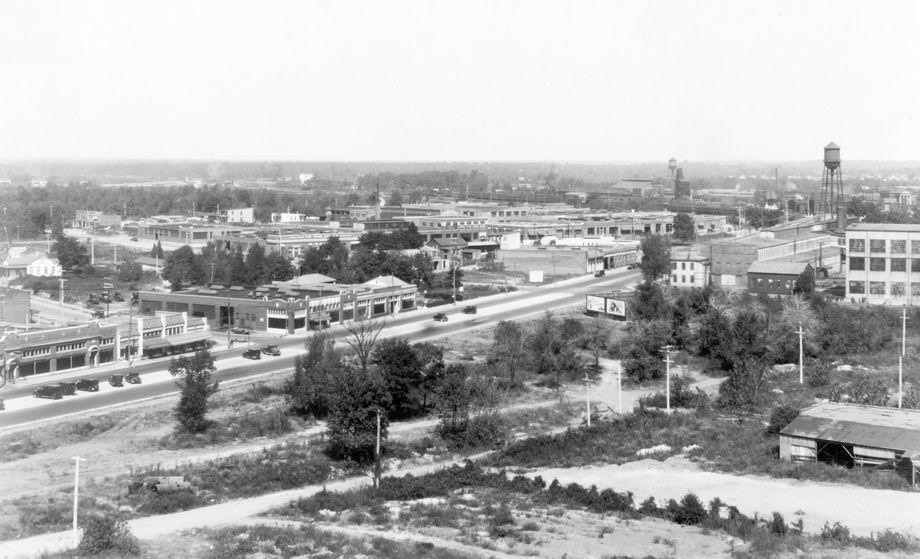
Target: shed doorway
(836,453)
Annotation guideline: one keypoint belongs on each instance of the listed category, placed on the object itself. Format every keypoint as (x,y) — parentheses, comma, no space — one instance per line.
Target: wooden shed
(853,435)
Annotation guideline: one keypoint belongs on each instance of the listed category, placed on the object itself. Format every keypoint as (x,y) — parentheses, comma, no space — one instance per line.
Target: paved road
(61,313)
(416,326)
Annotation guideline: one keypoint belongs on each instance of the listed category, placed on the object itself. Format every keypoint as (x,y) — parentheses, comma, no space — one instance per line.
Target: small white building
(689,267)
(241,215)
(27,263)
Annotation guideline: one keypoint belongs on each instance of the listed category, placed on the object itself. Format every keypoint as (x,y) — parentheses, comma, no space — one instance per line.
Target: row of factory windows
(880,264)
(683,265)
(878,246)
(683,278)
(894,288)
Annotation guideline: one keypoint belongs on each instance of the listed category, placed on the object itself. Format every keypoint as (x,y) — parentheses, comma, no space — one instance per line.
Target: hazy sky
(461,80)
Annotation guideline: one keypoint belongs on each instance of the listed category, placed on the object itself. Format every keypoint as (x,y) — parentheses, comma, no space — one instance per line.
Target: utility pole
(92,251)
(903,331)
(588,396)
(76,498)
(212,273)
(801,370)
(61,293)
(229,321)
(620,387)
(900,381)
(667,377)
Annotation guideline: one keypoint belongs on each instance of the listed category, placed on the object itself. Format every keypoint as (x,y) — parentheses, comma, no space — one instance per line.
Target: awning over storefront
(178,339)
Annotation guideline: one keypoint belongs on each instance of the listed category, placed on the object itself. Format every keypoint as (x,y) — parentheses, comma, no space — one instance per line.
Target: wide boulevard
(23,410)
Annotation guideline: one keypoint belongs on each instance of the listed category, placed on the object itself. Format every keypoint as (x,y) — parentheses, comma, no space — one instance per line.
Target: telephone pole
(588,396)
(377,455)
(801,370)
(900,381)
(903,331)
(76,498)
(667,377)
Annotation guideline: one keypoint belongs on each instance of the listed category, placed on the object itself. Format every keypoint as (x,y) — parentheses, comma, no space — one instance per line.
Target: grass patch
(306,541)
(17,446)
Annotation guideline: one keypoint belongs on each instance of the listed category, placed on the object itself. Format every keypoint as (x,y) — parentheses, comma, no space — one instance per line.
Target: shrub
(165,503)
(487,430)
(781,416)
(777,525)
(690,511)
(838,534)
(106,533)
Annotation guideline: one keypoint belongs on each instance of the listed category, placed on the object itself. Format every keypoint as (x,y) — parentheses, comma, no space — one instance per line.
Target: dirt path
(862,510)
(230,513)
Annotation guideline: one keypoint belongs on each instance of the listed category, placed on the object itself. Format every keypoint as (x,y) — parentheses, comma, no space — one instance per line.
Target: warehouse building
(855,436)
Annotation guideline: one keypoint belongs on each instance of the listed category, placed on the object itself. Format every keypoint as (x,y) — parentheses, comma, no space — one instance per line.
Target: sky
(528,80)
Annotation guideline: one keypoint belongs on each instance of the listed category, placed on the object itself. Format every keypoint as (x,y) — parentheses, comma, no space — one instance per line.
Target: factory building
(883,263)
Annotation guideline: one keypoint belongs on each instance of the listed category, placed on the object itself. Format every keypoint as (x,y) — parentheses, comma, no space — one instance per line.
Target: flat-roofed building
(689,266)
(298,305)
(46,351)
(883,263)
(776,277)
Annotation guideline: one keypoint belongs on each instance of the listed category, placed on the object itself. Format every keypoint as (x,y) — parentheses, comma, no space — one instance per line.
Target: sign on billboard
(595,303)
(616,307)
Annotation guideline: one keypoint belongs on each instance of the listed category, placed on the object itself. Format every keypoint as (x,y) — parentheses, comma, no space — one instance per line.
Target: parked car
(243,331)
(67,388)
(469,310)
(440,317)
(88,385)
(271,350)
(50,392)
(133,378)
(117,380)
(252,354)
(599,273)
(133,239)
(632,266)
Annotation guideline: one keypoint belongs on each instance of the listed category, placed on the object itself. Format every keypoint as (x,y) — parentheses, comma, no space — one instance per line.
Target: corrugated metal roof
(872,426)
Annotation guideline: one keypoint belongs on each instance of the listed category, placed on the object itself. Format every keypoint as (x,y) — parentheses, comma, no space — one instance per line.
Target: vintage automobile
(50,392)
(117,380)
(440,317)
(271,350)
(252,354)
(471,309)
(88,385)
(133,378)
(67,388)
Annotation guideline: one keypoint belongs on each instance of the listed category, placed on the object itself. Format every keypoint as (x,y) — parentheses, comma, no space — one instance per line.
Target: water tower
(672,166)
(832,201)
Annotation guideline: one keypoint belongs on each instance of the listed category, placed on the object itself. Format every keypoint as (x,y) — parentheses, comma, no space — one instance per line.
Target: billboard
(615,307)
(595,303)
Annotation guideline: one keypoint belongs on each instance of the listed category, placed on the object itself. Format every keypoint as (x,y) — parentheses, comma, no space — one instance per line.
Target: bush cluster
(107,533)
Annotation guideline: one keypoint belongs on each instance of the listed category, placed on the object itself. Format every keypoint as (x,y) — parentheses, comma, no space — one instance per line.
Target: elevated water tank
(832,156)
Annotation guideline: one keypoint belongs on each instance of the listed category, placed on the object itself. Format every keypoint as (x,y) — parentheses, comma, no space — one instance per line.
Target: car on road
(117,380)
(252,354)
(271,350)
(471,309)
(241,331)
(632,266)
(133,239)
(440,317)
(67,388)
(133,378)
(600,273)
(50,392)
(88,385)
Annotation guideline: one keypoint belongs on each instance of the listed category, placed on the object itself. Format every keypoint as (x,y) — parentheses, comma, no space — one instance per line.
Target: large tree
(362,337)
(360,397)
(183,267)
(507,350)
(399,366)
(71,254)
(656,257)
(311,390)
(197,384)
(684,227)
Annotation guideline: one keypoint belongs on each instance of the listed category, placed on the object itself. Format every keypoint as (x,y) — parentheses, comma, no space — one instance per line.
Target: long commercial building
(306,303)
(24,354)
